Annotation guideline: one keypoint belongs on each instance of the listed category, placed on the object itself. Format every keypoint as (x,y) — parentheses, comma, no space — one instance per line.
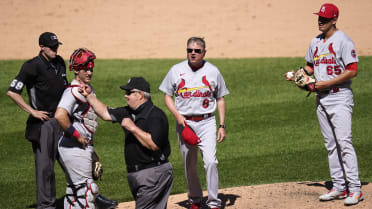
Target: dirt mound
(291,195)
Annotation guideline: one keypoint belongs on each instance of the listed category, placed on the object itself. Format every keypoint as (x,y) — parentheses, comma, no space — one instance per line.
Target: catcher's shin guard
(81,196)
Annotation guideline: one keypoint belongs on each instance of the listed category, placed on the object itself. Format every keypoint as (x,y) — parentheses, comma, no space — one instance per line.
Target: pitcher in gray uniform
(332,59)
(79,122)
(198,88)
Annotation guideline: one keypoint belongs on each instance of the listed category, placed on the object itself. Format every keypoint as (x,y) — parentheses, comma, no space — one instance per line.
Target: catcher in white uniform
(198,88)
(79,122)
(332,59)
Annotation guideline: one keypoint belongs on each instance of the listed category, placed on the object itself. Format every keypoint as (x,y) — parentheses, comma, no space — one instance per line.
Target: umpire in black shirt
(45,79)
(150,175)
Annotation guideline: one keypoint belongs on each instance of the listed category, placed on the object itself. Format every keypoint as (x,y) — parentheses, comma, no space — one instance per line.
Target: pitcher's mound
(281,195)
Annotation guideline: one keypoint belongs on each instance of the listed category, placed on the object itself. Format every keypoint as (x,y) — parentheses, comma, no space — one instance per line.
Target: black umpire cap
(48,39)
(137,83)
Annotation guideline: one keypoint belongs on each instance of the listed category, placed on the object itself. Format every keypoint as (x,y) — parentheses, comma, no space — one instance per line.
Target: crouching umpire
(150,175)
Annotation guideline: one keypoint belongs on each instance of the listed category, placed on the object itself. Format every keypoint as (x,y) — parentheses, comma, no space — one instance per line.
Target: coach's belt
(198,117)
(135,168)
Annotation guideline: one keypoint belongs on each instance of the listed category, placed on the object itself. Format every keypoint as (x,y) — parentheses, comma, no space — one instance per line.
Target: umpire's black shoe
(105,203)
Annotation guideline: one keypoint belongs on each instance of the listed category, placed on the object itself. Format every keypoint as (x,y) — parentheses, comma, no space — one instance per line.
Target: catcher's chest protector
(83,112)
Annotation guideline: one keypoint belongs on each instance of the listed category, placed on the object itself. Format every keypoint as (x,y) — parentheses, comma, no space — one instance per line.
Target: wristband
(73,132)
(307,73)
(222,126)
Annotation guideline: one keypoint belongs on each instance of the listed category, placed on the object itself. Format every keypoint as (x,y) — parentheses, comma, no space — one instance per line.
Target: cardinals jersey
(331,57)
(195,91)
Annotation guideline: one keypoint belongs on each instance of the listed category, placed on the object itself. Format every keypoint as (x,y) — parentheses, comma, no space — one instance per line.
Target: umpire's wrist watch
(222,126)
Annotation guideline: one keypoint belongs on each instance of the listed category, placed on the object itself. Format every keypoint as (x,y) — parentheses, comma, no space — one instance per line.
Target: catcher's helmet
(82,58)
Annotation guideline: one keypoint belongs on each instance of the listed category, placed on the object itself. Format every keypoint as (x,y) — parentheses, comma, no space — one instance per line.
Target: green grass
(272,130)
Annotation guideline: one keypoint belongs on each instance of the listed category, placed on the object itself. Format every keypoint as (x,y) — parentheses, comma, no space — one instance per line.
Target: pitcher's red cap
(328,11)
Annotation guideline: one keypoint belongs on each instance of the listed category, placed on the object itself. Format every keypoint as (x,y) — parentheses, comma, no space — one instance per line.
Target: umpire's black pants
(45,155)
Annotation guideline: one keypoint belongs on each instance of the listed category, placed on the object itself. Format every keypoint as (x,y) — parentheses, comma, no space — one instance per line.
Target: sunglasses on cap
(130,92)
(198,51)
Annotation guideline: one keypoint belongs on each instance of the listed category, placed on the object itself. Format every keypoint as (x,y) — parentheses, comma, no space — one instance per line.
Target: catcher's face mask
(82,58)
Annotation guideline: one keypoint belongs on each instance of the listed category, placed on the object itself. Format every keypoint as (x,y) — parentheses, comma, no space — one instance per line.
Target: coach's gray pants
(45,156)
(151,187)
(206,130)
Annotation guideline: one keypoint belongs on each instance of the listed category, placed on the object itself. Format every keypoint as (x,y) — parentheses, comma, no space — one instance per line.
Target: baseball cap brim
(126,87)
(323,15)
(137,83)
(54,45)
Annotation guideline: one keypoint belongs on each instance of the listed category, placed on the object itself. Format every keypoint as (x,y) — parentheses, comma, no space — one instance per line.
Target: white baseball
(290,75)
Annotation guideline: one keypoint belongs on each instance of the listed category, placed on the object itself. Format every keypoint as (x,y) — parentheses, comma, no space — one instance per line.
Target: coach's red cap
(328,11)
(189,136)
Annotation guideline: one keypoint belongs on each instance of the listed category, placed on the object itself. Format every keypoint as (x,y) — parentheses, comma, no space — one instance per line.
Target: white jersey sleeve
(68,101)
(221,89)
(310,53)
(348,53)
(167,85)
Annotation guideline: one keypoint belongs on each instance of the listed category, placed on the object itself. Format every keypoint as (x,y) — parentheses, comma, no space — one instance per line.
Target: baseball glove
(304,80)
(96,166)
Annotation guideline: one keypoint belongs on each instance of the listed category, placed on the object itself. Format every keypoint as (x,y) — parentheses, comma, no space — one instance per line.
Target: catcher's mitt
(96,166)
(304,80)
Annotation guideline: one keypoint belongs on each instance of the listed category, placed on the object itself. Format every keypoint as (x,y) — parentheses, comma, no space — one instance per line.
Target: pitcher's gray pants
(334,113)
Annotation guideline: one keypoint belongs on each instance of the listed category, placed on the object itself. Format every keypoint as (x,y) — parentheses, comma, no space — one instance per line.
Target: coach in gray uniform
(150,175)
(198,89)
(45,79)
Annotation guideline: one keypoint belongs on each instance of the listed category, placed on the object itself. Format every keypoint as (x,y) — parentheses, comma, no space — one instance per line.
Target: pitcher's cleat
(333,195)
(354,198)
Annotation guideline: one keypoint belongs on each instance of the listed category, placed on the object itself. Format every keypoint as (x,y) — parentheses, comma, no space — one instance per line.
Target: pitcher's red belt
(334,90)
